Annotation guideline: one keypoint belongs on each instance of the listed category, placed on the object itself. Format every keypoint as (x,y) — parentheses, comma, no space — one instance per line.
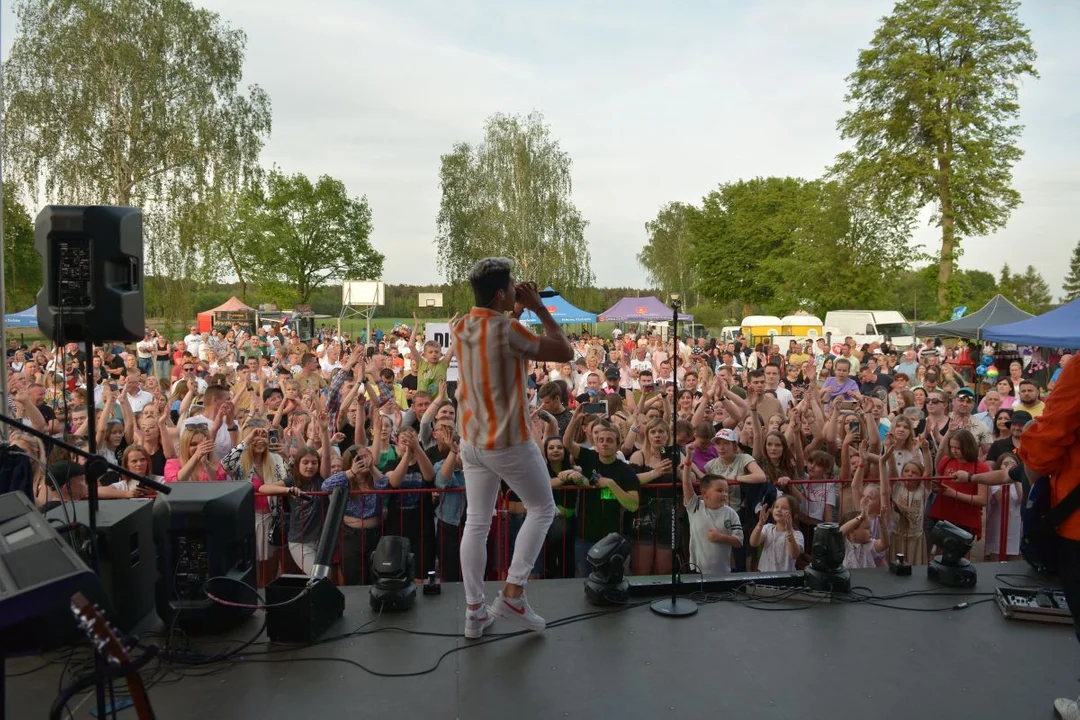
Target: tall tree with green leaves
(132,102)
(1032,292)
(1071,288)
(666,255)
(510,195)
(735,231)
(845,253)
(22,264)
(933,116)
(295,235)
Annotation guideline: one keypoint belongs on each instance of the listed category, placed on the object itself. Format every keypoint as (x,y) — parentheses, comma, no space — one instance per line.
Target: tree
(737,228)
(977,287)
(934,116)
(913,293)
(666,255)
(510,196)
(296,236)
(22,264)
(133,102)
(846,253)
(784,243)
(1031,292)
(1072,280)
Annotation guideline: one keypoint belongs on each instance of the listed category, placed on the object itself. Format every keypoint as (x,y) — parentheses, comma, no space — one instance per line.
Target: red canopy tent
(207,318)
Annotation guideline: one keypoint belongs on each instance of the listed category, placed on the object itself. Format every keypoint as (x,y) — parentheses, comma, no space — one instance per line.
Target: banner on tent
(440,333)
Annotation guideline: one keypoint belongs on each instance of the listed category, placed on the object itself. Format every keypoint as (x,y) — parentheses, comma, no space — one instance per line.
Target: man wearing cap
(963,403)
(612,379)
(748,483)
(1018,420)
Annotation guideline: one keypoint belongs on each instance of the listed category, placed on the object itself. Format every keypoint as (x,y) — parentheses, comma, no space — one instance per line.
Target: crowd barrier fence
(585,514)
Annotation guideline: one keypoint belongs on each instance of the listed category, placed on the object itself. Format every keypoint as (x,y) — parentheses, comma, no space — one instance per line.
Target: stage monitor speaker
(205,530)
(39,572)
(92,262)
(306,608)
(127,559)
(301,608)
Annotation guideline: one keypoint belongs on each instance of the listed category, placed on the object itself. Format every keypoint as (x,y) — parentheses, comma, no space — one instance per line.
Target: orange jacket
(1052,445)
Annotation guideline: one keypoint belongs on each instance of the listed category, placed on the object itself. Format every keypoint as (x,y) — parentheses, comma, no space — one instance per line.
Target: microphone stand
(96,467)
(674,606)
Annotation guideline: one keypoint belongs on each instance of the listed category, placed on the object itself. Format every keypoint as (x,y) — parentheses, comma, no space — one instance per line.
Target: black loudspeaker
(205,530)
(305,618)
(39,573)
(127,566)
(92,262)
(301,608)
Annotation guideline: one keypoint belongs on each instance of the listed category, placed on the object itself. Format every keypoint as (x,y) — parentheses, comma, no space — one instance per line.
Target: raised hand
(205,449)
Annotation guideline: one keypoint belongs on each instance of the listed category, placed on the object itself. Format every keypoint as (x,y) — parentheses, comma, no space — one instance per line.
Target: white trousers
(522,467)
(303,554)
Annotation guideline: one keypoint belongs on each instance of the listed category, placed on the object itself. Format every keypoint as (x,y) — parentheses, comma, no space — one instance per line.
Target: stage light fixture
(951,568)
(393,570)
(826,572)
(607,560)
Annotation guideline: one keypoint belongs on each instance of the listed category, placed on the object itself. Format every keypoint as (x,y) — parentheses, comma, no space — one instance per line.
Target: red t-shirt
(959,513)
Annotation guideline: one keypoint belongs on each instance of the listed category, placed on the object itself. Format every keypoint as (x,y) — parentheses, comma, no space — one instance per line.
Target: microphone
(324,554)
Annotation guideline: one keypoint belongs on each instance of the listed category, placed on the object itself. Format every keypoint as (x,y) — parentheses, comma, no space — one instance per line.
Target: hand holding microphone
(526,295)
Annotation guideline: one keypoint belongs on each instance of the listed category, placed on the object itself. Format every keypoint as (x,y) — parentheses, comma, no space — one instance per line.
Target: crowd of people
(758,445)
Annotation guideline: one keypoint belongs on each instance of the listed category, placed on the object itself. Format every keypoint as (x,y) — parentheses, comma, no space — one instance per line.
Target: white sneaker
(1067,709)
(517,610)
(477,621)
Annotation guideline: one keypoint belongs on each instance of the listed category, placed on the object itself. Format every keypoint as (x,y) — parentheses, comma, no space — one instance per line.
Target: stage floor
(780,660)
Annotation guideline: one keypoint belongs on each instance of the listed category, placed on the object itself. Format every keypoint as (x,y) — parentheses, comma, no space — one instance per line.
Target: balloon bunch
(986,368)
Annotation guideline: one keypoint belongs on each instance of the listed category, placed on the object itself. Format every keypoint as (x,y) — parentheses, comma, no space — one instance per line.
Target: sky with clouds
(654,102)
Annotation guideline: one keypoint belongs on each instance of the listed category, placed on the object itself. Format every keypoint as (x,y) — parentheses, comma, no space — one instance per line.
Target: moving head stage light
(607,560)
(826,572)
(951,568)
(393,568)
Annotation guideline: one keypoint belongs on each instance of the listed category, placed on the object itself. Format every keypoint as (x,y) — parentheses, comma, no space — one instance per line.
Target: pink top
(262,502)
(173,467)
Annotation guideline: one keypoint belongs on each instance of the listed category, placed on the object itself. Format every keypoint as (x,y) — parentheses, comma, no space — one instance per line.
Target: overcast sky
(654,102)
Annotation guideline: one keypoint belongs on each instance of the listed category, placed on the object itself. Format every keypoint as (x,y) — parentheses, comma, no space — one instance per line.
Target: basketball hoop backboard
(363,293)
(431,300)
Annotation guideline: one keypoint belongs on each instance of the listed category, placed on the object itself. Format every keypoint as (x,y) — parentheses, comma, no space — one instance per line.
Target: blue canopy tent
(641,309)
(1059,328)
(24,319)
(560,309)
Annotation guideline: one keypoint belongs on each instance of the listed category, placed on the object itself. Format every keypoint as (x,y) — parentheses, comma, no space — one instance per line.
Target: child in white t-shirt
(781,543)
(714,526)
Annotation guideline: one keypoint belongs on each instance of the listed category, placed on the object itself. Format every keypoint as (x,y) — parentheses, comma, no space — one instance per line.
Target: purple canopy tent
(640,309)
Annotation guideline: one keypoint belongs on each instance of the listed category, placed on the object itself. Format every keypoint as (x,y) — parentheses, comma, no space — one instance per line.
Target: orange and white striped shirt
(492,352)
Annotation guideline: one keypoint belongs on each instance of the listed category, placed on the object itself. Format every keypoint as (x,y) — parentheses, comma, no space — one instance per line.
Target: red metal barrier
(575,529)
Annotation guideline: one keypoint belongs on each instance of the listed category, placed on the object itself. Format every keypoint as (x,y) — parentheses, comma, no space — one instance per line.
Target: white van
(868,326)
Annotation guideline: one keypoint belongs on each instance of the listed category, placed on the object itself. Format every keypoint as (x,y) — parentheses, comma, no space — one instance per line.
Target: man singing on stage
(493,351)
